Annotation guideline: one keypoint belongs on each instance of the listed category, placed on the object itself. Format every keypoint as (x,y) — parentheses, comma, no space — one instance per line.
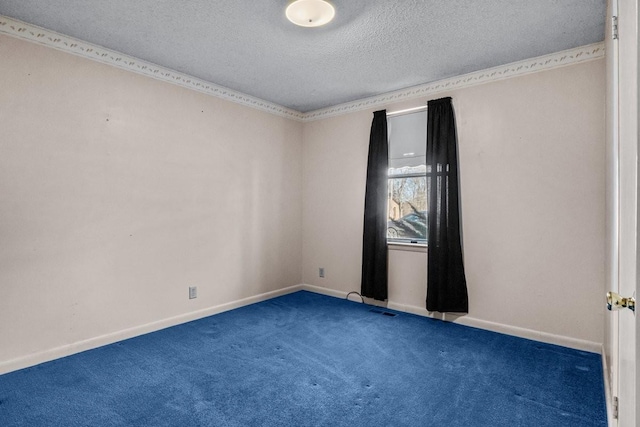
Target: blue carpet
(311,360)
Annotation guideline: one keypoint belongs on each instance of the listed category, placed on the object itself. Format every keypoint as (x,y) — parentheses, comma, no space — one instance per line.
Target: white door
(629,413)
(622,208)
(612,201)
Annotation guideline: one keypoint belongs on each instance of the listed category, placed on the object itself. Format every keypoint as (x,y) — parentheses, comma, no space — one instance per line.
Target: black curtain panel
(374,241)
(446,283)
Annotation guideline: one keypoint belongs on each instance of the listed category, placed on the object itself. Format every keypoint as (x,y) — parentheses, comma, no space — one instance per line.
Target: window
(407,207)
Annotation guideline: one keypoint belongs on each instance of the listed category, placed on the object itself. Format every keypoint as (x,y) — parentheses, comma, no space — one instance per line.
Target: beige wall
(532,164)
(118,192)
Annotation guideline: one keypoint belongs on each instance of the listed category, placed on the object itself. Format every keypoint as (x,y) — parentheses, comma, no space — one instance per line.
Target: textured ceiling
(371,47)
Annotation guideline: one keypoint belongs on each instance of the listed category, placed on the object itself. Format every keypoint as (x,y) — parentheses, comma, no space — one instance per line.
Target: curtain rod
(407,111)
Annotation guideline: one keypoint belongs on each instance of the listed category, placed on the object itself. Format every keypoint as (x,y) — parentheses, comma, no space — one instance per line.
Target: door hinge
(615,407)
(614,27)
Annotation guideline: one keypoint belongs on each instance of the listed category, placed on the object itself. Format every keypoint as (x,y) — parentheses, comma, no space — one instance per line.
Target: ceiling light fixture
(310,13)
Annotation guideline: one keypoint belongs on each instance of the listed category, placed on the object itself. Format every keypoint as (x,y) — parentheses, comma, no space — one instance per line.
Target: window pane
(407,139)
(408,170)
(407,208)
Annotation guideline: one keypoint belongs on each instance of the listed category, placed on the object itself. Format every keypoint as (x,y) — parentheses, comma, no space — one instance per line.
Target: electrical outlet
(193,292)
(321,271)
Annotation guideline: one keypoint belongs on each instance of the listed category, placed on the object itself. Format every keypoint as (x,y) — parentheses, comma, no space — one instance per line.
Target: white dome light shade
(310,13)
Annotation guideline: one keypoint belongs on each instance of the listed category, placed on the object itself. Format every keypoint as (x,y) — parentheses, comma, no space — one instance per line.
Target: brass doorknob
(617,302)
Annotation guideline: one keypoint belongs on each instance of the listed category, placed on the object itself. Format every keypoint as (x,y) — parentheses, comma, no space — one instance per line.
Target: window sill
(410,247)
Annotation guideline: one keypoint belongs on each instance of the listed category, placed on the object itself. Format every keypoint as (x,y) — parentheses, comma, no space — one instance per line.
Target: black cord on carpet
(375,309)
(357,293)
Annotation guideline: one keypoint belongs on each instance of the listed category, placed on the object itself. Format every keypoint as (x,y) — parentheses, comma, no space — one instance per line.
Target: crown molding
(18,29)
(22,30)
(527,66)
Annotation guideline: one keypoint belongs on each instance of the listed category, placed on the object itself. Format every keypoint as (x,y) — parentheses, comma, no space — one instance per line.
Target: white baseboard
(91,343)
(531,334)
(324,291)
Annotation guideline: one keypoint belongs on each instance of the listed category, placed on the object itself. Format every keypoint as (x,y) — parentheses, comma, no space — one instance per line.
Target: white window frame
(401,243)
